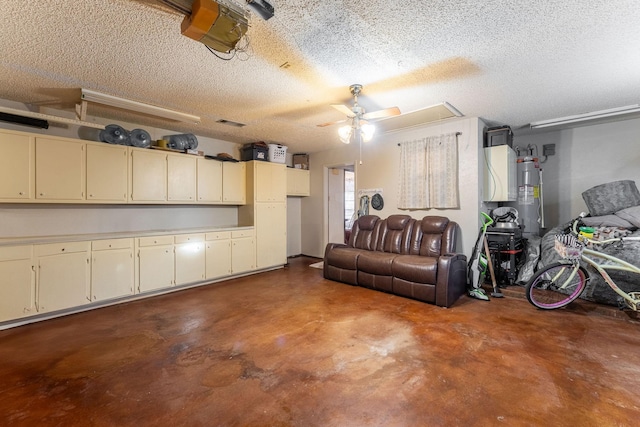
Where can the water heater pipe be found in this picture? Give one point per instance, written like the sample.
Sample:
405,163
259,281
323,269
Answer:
540,190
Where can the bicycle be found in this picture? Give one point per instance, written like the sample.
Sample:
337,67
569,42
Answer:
560,283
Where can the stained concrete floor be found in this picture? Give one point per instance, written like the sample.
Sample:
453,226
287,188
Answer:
288,348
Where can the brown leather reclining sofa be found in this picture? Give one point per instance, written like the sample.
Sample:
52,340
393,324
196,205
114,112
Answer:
401,255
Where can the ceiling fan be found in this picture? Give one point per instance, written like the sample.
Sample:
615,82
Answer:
359,118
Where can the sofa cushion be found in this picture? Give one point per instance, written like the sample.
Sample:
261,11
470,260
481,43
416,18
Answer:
432,228
394,234
419,291
364,233
344,257
415,268
374,262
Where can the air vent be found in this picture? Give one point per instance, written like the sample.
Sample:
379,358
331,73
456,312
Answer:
230,123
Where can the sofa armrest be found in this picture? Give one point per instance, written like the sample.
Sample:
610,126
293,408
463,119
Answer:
329,248
451,279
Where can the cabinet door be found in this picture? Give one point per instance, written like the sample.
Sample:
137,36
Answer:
156,267
234,183
181,178
271,234
190,262
242,255
218,258
209,181
297,182
262,181
112,274
16,166
16,283
148,176
500,177
270,182
60,169
278,182
63,281
107,171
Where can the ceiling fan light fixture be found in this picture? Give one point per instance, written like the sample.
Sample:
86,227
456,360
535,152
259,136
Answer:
345,132
367,130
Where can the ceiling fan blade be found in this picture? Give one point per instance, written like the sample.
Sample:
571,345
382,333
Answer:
387,112
343,109
321,125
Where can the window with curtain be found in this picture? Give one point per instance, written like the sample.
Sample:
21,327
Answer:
429,173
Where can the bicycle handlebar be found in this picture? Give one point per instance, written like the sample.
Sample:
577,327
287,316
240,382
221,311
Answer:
574,230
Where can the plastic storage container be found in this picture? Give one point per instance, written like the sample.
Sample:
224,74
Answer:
255,152
183,141
277,153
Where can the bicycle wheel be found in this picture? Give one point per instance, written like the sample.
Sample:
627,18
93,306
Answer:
556,285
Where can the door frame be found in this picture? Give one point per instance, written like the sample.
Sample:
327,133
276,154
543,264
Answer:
327,200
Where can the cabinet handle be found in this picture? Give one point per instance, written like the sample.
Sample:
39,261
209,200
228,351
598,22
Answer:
21,193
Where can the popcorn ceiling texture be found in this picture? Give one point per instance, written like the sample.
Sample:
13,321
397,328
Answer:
507,61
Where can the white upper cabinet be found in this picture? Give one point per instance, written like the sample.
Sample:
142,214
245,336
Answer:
209,180
148,175
17,172
181,178
60,169
107,173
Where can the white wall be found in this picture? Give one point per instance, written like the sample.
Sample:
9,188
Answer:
379,169
585,156
51,219
294,240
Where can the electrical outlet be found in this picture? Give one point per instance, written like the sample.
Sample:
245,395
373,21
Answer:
549,149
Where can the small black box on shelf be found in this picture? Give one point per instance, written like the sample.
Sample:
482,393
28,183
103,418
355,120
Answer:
499,135
255,152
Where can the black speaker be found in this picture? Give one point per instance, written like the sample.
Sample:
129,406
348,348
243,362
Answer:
499,135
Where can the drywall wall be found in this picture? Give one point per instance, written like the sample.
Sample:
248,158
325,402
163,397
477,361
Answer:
585,156
294,242
376,166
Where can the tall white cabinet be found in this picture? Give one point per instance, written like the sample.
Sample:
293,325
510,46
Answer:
266,209
500,174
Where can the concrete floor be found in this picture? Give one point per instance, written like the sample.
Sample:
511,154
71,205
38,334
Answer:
288,348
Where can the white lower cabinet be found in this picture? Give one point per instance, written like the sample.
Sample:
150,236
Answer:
155,263
63,275
112,269
218,254
44,278
243,250
190,258
271,234
17,282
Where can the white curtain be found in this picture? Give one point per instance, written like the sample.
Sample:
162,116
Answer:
429,173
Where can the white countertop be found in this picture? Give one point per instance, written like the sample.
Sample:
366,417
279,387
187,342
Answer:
34,240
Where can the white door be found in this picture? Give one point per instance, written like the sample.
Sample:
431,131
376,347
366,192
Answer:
336,205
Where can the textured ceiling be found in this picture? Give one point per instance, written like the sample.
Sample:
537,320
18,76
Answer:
508,61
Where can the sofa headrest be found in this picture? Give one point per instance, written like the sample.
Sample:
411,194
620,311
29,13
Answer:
397,222
434,224
368,222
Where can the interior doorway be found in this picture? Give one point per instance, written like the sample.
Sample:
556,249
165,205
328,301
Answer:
341,202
